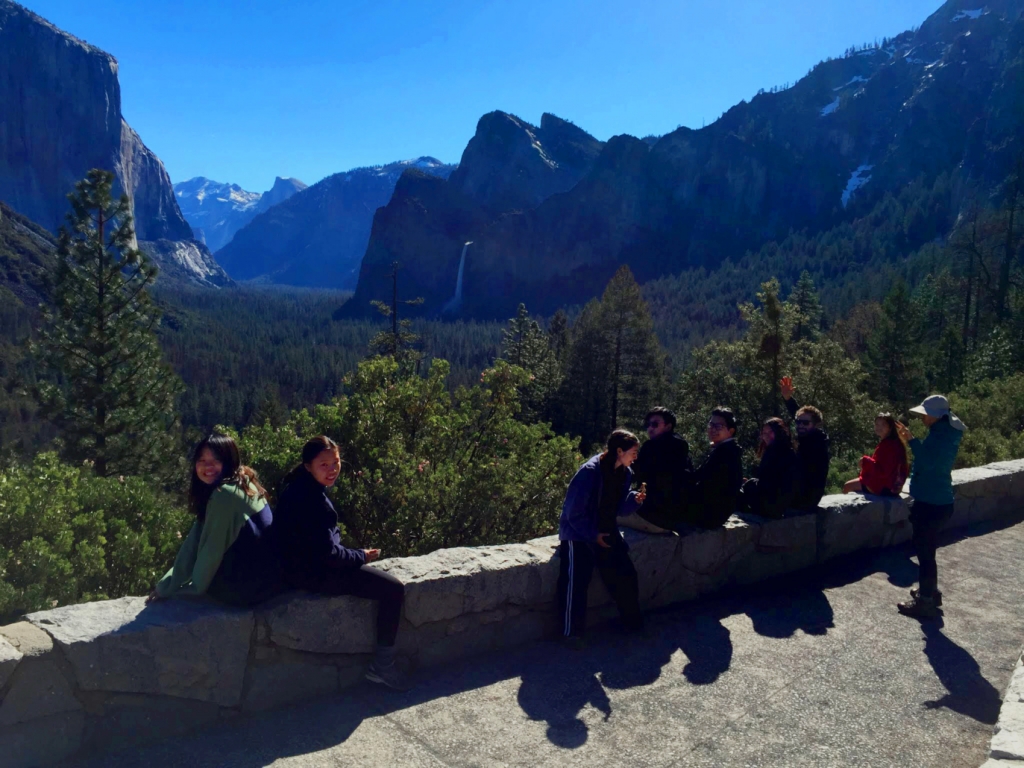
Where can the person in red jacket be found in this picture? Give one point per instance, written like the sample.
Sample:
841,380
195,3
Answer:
884,472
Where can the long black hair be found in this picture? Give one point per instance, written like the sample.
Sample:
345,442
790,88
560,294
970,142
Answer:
226,451
620,438
313,448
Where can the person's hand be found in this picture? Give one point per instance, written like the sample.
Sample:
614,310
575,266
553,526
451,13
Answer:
904,431
371,554
787,388
153,597
601,541
641,495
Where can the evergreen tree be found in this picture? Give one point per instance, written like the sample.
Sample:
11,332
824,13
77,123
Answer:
114,403
637,376
584,397
771,328
524,344
893,356
804,300
558,334
400,341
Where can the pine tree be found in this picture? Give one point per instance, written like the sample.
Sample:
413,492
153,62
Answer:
400,341
771,329
893,356
584,396
524,344
558,334
114,404
804,300
637,376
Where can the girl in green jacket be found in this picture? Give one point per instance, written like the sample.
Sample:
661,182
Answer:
229,553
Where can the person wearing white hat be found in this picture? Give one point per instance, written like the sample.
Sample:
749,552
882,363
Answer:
931,491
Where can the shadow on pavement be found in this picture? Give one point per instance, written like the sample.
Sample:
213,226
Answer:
969,694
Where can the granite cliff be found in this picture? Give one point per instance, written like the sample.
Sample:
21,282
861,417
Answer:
942,99
61,105
318,236
216,211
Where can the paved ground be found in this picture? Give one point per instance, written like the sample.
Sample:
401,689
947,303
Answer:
812,670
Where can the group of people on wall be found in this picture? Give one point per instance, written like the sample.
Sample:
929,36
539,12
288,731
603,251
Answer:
240,552
656,488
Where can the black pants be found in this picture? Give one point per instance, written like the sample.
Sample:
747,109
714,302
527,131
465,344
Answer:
578,559
368,583
928,520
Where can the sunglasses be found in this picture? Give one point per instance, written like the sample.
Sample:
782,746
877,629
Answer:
713,427
805,422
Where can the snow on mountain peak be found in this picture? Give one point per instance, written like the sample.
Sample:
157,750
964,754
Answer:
975,14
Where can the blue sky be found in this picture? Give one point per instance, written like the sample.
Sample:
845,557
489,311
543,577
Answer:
245,91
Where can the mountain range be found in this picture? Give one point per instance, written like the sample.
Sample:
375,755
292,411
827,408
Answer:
60,115
550,213
216,211
317,237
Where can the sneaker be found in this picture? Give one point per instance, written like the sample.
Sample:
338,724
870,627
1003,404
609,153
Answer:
919,608
391,676
938,596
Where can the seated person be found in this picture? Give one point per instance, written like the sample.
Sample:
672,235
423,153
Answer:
229,553
812,450
316,560
884,472
713,488
770,492
660,468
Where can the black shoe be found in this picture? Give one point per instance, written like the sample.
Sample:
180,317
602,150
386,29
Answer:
937,598
574,642
920,608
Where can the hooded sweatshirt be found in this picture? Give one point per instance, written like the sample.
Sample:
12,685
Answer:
581,508
813,458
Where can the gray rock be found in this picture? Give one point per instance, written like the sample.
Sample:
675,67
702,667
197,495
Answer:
322,624
37,689
28,639
63,117
276,685
9,658
178,648
43,741
849,523
1008,741
451,582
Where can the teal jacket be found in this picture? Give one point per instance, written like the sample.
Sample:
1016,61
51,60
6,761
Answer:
931,478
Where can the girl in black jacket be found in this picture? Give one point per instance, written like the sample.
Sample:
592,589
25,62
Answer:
315,559
770,492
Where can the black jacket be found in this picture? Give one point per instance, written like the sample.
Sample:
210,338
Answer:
770,492
813,457
713,488
662,464
307,526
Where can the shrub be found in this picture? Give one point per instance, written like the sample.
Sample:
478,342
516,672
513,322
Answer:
67,536
425,468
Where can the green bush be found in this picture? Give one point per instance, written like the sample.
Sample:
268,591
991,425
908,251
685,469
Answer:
993,411
67,536
425,468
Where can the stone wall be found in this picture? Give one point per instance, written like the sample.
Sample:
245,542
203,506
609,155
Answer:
1007,747
91,677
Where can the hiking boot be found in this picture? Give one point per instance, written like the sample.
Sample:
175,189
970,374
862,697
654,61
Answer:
389,675
919,608
938,596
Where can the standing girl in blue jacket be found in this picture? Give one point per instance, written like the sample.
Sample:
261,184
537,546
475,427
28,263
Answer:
589,537
931,491
314,558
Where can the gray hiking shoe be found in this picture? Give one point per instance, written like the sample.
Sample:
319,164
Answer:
390,675
919,608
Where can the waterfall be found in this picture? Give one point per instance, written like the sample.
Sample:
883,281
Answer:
455,302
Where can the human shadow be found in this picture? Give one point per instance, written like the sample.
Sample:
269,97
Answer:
787,606
969,693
